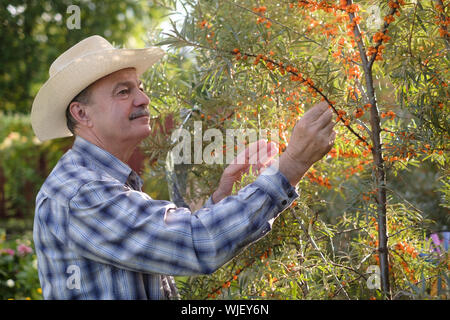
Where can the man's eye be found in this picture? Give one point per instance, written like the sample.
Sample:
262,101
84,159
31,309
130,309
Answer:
122,92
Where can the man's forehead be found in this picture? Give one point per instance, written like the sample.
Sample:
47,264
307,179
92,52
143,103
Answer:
122,75
110,81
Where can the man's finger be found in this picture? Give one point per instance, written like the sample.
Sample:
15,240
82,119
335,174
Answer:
332,138
264,155
329,126
316,111
264,152
263,158
324,119
245,156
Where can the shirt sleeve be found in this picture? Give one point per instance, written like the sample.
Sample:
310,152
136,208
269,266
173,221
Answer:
112,224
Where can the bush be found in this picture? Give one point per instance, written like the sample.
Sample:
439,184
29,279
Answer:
261,65
18,269
25,162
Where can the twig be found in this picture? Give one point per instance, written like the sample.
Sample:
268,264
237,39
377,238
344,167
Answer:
316,247
276,22
384,31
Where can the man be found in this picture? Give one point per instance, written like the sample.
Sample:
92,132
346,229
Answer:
97,236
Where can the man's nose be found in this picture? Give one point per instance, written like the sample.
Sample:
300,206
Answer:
141,99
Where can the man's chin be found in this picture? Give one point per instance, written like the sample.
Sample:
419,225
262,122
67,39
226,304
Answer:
145,132
139,132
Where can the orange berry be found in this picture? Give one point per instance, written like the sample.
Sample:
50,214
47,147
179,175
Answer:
389,19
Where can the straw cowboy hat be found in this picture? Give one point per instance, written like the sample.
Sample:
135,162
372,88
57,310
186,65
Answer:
74,70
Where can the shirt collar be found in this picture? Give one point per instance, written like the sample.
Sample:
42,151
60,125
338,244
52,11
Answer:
105,161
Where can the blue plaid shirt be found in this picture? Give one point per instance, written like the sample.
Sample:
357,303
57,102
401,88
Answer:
97,236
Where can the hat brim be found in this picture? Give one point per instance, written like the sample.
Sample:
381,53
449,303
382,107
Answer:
48,112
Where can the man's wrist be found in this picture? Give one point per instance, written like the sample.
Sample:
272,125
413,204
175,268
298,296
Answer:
293,170
218,195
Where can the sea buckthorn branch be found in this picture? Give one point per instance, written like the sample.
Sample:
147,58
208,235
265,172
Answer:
382,36
292,70
443,22
436,77
260,13
362,124
346,283
296,76
234,276
404,247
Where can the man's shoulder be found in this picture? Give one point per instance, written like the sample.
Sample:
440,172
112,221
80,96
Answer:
70,173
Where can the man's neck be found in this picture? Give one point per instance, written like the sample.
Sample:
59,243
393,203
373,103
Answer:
121,151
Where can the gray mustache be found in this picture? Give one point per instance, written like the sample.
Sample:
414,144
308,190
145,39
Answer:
139,113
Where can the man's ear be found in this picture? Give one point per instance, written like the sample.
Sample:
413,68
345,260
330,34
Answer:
78,111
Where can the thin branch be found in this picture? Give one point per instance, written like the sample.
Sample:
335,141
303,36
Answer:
361,123
443,20
384,31
276,22
412,29
316,247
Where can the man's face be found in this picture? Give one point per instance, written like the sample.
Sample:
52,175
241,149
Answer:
119,108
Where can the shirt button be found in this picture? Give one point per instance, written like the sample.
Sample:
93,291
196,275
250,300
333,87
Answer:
284,202
290,194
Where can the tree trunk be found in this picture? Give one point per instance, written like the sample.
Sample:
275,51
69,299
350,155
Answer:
377,153
380,177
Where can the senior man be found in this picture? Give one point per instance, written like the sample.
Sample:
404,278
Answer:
97,235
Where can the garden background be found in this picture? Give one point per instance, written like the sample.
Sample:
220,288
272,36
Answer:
379,201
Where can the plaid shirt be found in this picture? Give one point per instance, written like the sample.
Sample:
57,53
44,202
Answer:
97,236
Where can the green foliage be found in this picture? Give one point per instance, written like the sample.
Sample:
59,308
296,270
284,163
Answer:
322,247
309,259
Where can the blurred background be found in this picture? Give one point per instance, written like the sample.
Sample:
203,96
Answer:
32,35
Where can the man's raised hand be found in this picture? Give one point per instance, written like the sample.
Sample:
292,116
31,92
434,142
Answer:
259,155
312,138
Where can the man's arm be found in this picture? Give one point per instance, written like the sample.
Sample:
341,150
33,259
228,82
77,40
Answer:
125,228
259,155
128,229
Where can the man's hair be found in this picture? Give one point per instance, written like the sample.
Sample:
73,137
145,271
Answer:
82,97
